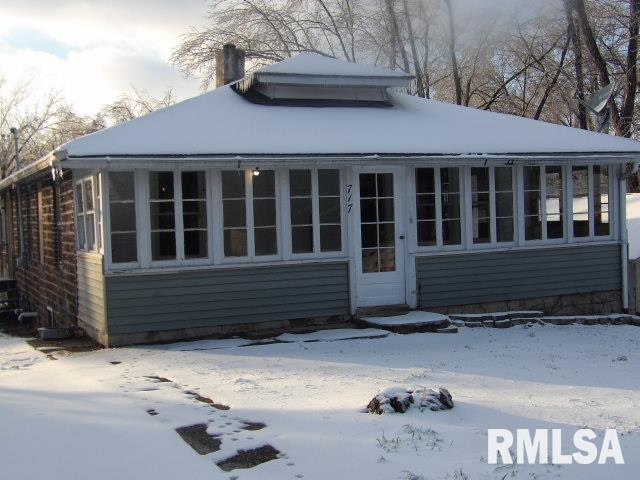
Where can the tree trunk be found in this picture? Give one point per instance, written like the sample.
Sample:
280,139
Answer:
414,51
452,52
574,35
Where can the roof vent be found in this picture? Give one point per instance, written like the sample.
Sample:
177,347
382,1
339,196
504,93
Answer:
315,79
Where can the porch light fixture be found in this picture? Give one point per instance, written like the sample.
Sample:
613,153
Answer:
256,171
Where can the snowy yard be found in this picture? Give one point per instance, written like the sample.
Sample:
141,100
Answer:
87,416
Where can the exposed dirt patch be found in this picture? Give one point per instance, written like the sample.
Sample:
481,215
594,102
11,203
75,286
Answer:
70,345
252,426
196,437
152,412
115,363
249,458
199,398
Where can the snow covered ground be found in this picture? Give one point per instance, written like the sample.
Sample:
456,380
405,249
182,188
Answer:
86,415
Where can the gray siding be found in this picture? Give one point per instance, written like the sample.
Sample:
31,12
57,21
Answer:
205,298
518,274
91,305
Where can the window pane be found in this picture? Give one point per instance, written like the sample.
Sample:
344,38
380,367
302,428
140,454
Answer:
194,214
194,185
91,232
234,213
121,186
330,238
451,232
161,185
532,203
301,211
450,205
580,207
329,182
300,183
503,179
481,230
367,185
123,217
450,180
385,210
504,229
387,259
532,228
195,244
302,239
426,207
385,184
480,179
80,233
368,210
265,241
531,178
123,247
504,204
329,209
426,234
162,216
386,233
264,185
79,201
601,199
554,202
425,180
235,242
88,194
264,213
163,245
369,235
370,261
233,184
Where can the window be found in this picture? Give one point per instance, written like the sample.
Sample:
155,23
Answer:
492,204
194,214
438,206
162,216
85,214
590,201
315,206
122,214
377,222
481,205
252,229
544,220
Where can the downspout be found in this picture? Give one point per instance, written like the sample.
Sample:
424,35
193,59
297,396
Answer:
14,132
624,239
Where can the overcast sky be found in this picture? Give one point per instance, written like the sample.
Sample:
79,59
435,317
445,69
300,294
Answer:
92,51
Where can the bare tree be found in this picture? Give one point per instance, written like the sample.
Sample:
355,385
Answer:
136,104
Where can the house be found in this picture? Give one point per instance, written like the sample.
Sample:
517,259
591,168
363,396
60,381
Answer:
307,191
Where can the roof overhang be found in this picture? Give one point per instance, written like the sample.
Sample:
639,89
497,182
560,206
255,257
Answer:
31,171
121,162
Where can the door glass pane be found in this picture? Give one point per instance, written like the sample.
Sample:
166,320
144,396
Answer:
377,218
601,199
580,207
234,214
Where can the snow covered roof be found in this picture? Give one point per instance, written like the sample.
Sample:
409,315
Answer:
222,122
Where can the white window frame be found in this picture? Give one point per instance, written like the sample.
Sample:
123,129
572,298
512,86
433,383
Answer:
106,223
468,219
96,211
219,225
592,237
315,213
464,209
566,214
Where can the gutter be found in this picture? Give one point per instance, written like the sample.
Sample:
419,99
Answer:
48,161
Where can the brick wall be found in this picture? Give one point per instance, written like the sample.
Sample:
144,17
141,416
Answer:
46,277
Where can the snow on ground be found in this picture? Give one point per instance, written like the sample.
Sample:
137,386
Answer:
83,415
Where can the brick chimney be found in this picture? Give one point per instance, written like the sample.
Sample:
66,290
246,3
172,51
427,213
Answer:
229,64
